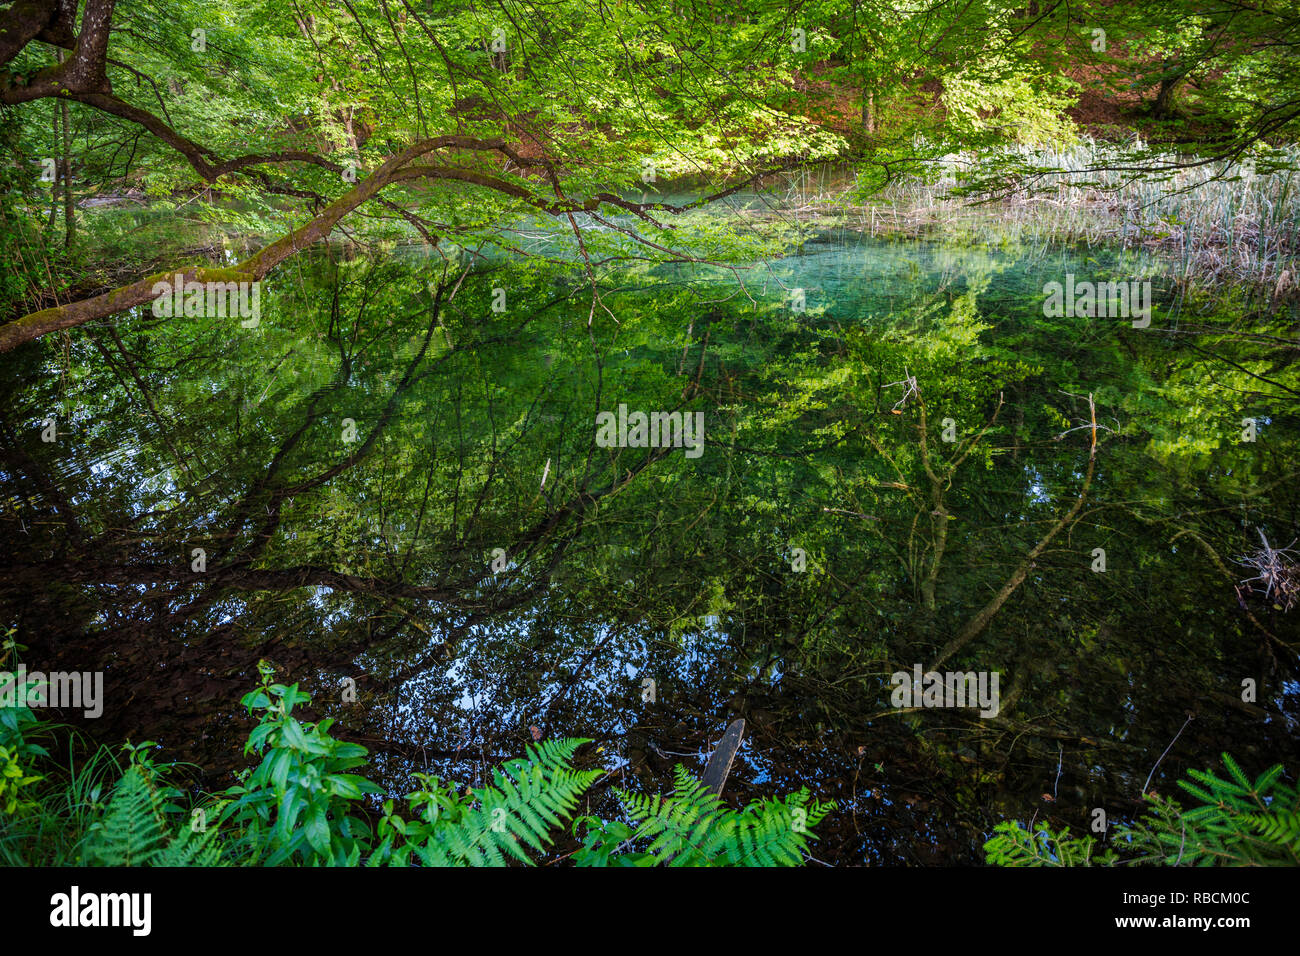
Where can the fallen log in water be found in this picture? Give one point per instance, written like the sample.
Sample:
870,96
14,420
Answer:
719,765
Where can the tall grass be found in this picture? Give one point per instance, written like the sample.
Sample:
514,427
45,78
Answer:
50,832
1212,222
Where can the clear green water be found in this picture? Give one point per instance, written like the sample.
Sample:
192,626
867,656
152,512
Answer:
351,467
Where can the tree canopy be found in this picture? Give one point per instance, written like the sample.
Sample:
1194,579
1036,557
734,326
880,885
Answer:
317,113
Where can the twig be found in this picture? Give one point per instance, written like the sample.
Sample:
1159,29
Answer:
1167,749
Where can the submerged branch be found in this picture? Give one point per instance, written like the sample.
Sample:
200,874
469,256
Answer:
976,625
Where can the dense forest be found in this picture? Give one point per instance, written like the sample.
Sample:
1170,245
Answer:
608,433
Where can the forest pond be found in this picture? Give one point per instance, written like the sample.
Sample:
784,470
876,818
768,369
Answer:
390,487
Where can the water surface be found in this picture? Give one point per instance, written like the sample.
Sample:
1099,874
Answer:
405,490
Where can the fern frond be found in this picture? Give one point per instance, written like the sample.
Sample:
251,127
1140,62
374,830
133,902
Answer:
693,827
131,830
530,798
1238,823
